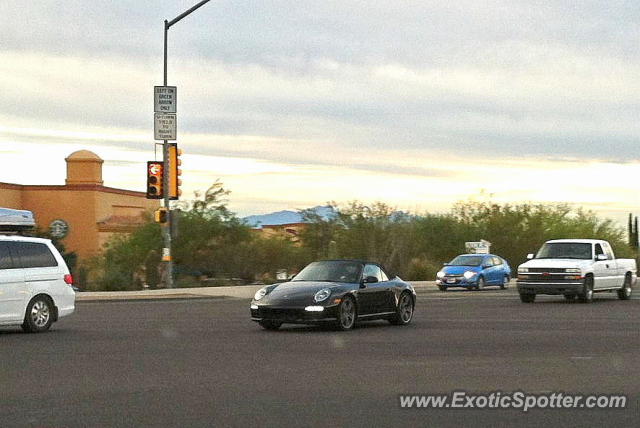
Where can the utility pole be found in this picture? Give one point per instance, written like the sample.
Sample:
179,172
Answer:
167,256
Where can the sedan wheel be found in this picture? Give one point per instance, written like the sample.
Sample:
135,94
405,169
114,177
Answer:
625,292
404,310
347,314
505,282
38,317
481,283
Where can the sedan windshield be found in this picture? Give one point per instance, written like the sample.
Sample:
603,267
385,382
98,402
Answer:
565,250
467,261
330,271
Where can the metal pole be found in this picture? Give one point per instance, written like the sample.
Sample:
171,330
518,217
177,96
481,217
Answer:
166,227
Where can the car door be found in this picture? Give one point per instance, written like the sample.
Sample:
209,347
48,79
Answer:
371,296
12,286
488,270
604,271
617,273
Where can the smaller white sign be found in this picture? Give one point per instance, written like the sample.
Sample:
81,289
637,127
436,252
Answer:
164,99
481,247
164,127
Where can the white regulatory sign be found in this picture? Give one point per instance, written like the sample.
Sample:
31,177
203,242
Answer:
164,99
164,127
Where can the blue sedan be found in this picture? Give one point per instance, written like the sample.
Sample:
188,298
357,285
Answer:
474,271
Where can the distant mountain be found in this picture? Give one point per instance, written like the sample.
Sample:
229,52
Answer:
285,217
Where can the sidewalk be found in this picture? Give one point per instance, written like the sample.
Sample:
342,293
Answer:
239,291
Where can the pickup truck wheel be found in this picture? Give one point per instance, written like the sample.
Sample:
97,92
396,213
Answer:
527,298
625,292
569,297
587,290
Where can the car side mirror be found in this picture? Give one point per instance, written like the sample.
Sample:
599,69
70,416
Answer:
530,256
290,278
486,266
445,264
601,257
370,279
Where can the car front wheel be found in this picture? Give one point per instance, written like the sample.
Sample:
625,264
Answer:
527,298
270,325
505,282
587,290
347,314
39,315
404,310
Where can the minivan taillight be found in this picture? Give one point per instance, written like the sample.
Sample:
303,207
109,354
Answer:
68,279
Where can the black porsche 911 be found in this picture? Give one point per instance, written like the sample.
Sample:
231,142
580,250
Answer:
337,292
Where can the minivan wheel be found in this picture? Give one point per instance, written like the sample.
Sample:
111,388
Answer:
39,315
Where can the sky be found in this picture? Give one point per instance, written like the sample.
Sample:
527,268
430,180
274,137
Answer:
291,104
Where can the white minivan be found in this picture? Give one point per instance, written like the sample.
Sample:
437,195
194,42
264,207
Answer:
35,284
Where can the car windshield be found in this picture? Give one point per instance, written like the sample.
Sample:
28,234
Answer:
564,250
467,261
330,271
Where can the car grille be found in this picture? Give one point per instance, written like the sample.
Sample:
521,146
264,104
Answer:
282,313
547,270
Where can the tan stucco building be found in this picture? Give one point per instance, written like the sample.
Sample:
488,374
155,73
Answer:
90,212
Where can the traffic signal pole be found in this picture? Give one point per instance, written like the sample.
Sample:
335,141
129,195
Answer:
167,255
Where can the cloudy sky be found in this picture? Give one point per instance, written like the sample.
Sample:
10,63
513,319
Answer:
294,103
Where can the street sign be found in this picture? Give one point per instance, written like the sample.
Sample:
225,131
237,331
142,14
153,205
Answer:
164,126
481,247
164,99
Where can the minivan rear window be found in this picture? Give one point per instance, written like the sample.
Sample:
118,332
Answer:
33,254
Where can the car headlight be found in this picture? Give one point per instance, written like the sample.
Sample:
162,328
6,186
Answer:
440,274
523,270
470,274
572,270
260,293
322,295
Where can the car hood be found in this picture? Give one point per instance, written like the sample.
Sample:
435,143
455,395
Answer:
297,292
557,263
459,270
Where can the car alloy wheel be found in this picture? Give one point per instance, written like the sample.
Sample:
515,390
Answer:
347,314
480,285
405,308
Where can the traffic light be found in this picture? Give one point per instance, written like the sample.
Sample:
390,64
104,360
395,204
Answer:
160,215
174,171
154,180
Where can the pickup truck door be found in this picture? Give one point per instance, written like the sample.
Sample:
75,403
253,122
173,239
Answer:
605,272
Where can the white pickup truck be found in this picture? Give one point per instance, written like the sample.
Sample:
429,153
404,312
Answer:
575,268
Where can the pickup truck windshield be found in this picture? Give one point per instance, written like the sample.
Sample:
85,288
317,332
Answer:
565,250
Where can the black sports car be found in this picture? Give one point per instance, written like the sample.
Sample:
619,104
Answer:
338,292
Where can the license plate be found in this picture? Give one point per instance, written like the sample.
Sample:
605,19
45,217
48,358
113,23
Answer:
451,280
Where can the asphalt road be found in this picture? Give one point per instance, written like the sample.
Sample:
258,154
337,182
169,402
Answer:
204,363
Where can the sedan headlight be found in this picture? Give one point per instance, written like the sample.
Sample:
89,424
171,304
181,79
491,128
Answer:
260,293
440,274
470,274
523,270
322,295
